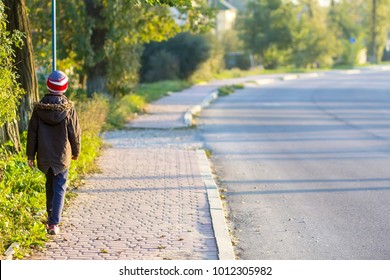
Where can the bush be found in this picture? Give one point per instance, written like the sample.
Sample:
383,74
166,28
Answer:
123,109
92,115
241,61
185,51
214,64
163,66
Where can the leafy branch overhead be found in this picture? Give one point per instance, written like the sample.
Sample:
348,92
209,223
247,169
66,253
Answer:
103,39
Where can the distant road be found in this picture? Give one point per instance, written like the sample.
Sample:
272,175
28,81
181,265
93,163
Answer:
306,166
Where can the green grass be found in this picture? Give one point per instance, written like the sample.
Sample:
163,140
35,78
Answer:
22,203
123,109
227,90
237,73
153,91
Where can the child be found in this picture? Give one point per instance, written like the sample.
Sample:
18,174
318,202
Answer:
54,138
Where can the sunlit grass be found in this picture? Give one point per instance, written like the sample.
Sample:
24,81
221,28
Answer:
124,109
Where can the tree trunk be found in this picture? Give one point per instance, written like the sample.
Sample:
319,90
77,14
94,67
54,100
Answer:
96,80
10,132
374,56
24,59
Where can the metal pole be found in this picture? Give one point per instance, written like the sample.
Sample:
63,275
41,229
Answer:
53,33
374,23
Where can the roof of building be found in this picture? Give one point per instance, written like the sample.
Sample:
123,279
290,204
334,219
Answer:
222,5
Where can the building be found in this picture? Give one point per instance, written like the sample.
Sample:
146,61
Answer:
226,16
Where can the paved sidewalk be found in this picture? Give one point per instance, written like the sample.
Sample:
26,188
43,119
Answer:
168,112
147,204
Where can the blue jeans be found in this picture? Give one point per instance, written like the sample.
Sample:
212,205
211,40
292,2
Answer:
55,195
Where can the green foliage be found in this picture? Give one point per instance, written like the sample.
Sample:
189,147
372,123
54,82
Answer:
92,114
163,65
10,91
122,110
378,28
72,48
227,90
345,20
265,29
305,34
313,45
129,27
198,17
166,2
22,203
153,91
214,64
184,53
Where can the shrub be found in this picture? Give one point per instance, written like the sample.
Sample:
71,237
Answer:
186,50
163,66
92,115
123,109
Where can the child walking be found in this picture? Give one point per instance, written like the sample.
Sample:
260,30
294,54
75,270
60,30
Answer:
54,138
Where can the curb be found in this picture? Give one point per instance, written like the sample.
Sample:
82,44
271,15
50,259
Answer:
213,95
221,233
289,77
11,251
189,115
261,82
351,72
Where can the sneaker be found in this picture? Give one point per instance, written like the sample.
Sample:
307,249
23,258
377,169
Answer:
53,229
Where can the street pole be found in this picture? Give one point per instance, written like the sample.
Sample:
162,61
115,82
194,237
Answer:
374,50
53,33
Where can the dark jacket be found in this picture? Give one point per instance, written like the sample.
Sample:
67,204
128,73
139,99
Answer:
54,133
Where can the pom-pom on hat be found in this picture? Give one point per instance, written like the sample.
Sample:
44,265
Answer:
57,82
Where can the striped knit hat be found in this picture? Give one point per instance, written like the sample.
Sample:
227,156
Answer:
57,82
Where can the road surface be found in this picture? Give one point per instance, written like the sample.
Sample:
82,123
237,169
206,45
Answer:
306,166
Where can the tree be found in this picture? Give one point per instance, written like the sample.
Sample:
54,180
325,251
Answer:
345,20
265,29
24,59
10,90
378,27
314,45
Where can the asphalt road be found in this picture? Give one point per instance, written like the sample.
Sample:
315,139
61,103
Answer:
306,166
